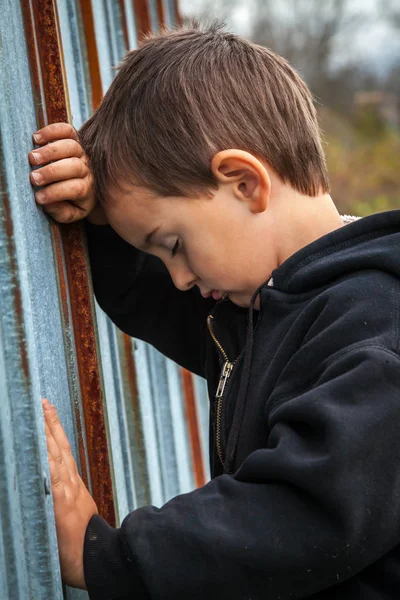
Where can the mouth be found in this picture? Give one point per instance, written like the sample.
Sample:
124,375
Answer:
216,294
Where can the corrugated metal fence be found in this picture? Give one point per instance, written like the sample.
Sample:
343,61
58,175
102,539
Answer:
137,422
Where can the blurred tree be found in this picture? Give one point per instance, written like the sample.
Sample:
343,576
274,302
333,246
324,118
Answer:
307,33
391,11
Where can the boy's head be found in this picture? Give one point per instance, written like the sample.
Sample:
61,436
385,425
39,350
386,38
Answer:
198,118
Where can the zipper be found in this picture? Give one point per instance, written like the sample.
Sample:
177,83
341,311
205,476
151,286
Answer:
226,371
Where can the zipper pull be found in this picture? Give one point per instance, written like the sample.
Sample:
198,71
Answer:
225,374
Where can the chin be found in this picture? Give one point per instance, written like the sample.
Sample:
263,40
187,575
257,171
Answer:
239,300
243,302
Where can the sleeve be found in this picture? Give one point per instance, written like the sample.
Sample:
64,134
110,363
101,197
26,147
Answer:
316,506
137,293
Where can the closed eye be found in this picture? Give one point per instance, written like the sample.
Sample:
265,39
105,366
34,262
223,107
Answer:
175,248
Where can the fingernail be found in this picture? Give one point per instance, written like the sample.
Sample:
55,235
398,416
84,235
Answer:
45,403
36,156
39,197
37,178
37,137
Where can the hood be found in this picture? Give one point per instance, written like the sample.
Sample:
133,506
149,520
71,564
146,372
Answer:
372,242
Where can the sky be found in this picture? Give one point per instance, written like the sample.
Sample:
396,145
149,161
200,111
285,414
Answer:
376,44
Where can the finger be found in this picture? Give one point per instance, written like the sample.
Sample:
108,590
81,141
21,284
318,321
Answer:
64,148
55,131
65,212
57,485
58,433
55,453
70,189
67,168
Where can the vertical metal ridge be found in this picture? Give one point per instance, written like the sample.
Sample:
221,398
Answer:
143,20
178,16
198,465
91,49
132,396
160,12
49,65
124,23
28,567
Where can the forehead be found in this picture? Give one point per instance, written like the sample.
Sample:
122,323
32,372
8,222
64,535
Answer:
142,209
132,211
131,200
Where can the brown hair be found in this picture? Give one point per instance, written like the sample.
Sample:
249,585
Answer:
186,94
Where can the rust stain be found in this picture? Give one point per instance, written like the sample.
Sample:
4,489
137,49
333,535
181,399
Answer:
124,24
91,48
88,368
33,63
142,16
9,230
40,21
63,293
131,379
191,415
47,50
160,12
40,109
178,16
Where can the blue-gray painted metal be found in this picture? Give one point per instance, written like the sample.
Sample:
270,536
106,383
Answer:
203,415
109,37
29,564
148,435
155,25
77,75
169,13
131,24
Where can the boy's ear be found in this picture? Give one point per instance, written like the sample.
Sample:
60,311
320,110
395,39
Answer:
248,176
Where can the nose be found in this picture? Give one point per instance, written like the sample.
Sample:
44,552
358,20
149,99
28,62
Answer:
184,279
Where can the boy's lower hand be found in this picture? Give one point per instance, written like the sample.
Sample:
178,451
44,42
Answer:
73,505
68,193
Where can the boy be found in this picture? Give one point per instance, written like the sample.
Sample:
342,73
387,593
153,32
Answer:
205,153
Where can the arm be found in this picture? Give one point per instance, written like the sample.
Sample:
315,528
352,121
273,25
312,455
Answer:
315,507
137,293
133,288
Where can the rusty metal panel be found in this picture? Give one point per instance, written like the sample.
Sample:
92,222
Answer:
33,360
136,421
118,433
45,56
159,439
143,17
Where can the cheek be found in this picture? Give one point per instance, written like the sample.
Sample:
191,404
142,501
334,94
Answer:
214,270
215,260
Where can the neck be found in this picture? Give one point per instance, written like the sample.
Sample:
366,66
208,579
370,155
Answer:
302,220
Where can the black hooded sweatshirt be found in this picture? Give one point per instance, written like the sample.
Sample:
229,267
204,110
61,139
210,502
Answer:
304,500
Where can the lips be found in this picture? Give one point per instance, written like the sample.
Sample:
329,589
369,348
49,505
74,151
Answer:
216,295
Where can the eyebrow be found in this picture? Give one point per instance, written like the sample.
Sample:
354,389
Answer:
149,237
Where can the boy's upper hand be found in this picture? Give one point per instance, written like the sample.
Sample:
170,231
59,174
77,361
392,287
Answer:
68,192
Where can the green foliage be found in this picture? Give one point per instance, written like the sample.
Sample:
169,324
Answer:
363,162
